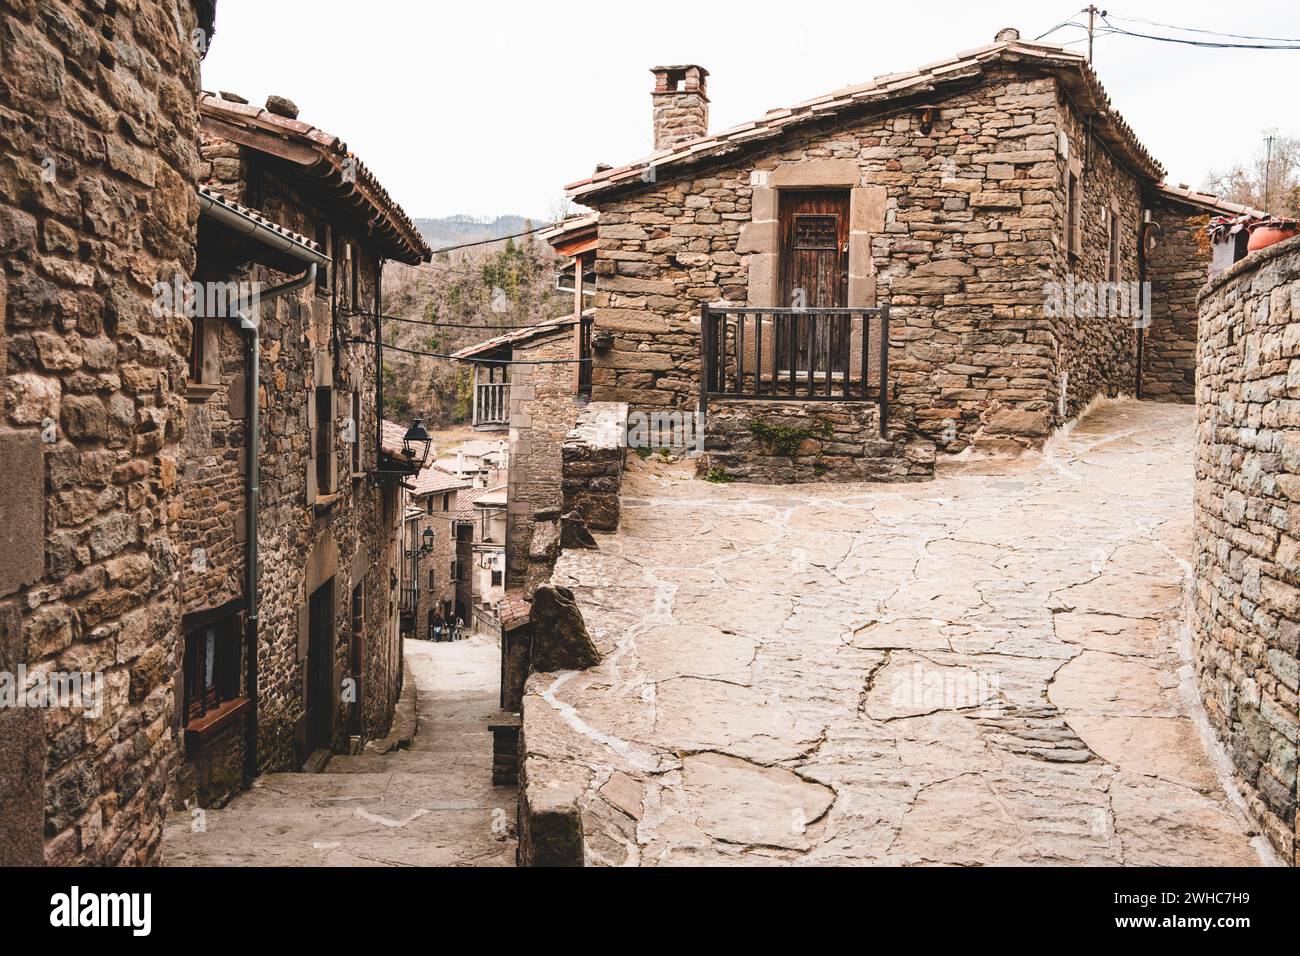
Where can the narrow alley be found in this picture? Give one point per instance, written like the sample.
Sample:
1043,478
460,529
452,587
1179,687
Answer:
431,805
984,669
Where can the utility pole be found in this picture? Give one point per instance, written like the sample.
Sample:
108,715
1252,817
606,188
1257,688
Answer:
1093,13
1269,135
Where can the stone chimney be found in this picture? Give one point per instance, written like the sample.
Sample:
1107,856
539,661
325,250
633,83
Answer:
681,104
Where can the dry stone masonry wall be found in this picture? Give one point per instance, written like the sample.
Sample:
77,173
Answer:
1247,562
786,442
1178,268
97,203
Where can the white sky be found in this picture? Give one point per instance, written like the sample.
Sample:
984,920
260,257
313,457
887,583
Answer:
491,107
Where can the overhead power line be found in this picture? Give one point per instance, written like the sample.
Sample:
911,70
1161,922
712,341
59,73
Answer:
452,325
1206,44
1235,36
485,242
358,340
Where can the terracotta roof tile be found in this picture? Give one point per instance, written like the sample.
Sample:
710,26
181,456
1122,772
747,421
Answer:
1072,67
261,219
350,178
1208,202
517,336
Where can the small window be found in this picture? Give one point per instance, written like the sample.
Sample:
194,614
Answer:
354,265
196,351
1112,256
455,572
324,439
446,501
356,433
211,668
1072,215
323,273
358,627
496,578
431,584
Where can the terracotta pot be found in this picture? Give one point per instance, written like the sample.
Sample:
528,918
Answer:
1264,234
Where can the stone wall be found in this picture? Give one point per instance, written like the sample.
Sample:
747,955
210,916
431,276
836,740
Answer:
1094,354
1176,269
1247,559
959,230
347,534
543,407
594,453
97,203
786,442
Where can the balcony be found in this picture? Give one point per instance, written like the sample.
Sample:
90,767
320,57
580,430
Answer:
492,406
814,354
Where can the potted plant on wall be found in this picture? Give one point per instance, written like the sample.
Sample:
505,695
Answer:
1266,232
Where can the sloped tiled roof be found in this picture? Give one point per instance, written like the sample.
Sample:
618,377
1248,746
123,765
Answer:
262,219
1071,67
490,497
1210,203
517,336
325,156
433,480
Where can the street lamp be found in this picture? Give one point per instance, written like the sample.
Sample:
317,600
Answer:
417,435
426,541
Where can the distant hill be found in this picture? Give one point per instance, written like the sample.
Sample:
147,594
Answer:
453,230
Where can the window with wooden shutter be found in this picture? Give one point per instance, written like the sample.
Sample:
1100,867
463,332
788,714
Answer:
211,667
324,440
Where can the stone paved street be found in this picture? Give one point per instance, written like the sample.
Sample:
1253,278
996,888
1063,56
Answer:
985,669
432,805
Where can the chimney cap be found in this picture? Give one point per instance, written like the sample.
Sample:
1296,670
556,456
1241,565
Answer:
679,68
1007,35
681,78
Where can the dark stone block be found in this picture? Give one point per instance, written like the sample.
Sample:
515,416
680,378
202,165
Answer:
560,641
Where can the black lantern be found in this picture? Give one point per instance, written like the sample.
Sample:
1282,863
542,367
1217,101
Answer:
416,435
426,540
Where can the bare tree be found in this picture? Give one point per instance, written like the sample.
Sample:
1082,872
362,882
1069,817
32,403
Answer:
1270,178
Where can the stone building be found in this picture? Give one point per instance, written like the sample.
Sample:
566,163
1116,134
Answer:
433,527
1246,599
541,375
97,204
1180,264
311,663
980,198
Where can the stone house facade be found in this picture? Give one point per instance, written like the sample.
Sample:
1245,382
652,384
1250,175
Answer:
97,203
1246,586
544,375
319,669
963,194
434,506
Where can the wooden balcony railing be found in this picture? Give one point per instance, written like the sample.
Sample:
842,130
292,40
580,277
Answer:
795,354
492,404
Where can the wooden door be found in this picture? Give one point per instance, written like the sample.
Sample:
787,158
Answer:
320,669
814,264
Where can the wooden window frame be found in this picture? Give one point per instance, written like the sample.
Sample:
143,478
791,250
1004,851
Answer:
323,273
354,267
357,472
323,396
211,693
1112,245
198,350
